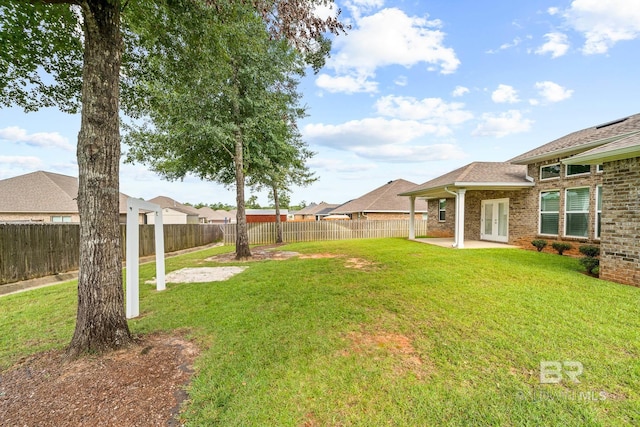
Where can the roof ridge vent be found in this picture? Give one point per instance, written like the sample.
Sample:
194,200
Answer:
614,122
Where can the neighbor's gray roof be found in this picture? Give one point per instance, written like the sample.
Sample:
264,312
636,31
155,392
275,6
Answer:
167,202
582,140
321,208
624,148
477,175
383,199
214,215
43,192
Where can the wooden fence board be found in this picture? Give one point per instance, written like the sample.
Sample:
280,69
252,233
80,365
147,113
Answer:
308,231
36,250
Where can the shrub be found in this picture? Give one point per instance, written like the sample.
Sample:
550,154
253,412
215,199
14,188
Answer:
591,264
539,244
589,250
561,247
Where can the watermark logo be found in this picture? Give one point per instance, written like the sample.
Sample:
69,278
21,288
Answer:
554,372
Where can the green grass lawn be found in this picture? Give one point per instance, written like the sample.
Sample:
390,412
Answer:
421,336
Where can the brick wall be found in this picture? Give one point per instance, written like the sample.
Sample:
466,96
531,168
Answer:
620,248
437,228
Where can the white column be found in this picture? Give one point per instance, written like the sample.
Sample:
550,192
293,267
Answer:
460,218
159,235
133,250
412,217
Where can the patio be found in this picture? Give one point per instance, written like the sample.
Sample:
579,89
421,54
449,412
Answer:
447,242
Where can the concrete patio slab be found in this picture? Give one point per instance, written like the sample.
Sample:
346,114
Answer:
447,242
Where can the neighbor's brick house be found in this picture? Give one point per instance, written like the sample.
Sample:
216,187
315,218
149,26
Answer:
581,188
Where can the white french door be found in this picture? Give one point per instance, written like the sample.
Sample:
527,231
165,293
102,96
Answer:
495,220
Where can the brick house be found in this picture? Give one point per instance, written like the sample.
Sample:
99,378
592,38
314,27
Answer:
383,203
581,188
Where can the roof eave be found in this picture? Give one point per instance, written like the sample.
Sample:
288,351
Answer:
469,185
607,156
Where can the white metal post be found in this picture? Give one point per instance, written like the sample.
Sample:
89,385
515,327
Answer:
412,217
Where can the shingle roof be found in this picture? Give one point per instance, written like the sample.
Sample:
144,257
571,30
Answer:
43,192
477,174
317,209
167,202
383,199
582,140
621,149
211,215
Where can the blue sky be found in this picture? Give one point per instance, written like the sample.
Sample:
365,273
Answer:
416,89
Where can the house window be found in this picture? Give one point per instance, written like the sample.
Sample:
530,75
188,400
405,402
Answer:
61,218
598,210
550,171
576,212
549,212
573,170
442,204
599,168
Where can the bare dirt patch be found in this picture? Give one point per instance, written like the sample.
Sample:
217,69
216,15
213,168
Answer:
258,254
201,275
397,346
142,385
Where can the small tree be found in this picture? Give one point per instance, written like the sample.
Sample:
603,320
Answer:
540,244
590,261
561,247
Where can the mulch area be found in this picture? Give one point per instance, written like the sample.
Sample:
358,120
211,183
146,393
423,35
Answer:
142,385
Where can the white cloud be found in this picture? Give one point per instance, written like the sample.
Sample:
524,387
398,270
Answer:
432,110
553,92
338,165
505,94
388,37
23,162
553,11
515,42
39,139
459,91
502,124
410,153
401,81
367,132
346,84
557,45
603,23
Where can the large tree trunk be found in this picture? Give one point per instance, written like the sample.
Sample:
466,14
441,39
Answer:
101,323
276,200
242,235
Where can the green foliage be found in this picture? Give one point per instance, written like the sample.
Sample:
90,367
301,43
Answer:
316,341
560,247
41,55
589,250
590,264
540,244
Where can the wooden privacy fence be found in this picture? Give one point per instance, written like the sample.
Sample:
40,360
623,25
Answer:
308,231
36,250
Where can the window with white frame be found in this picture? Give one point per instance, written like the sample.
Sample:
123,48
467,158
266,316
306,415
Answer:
442,204
598,210
550,171
549,212
600,168
576,223
573,170
61,218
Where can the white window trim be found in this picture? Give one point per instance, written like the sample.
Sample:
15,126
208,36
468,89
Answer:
540,212
553,177
566,172
442,210
566,212
600,168
595,225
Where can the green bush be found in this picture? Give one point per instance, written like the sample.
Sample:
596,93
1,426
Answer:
589,250
539,244
590,264
561,247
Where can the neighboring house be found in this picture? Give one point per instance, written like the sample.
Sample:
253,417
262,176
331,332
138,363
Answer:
581,188
265,215
174,212
210,216
383,203
315,212
45,197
